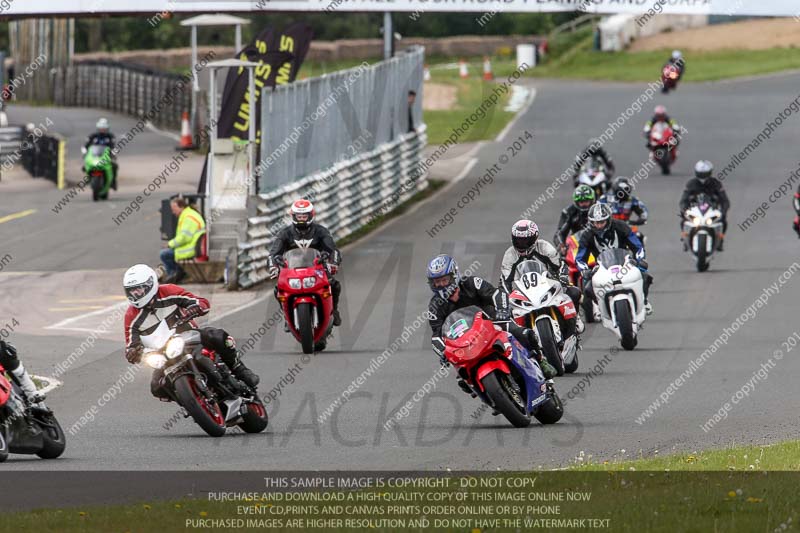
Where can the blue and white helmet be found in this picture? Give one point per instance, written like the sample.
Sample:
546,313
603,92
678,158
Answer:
443,266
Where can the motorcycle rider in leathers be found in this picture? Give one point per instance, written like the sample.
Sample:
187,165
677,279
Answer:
603,233
623,203
305,233
9,360
574,217
526,245
594,150
705,183
452,292
150,303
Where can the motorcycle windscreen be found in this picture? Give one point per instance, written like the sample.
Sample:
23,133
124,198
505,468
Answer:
301,257
158,339
613,257
526,267
97,150
465,335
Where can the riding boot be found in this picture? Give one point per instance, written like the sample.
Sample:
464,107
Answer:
27,385
336,290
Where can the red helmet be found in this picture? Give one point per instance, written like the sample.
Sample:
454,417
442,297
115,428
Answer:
302,212
660,112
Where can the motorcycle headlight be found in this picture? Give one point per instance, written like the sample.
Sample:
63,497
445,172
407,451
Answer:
154,360
309,282
175,347
709,221
294,283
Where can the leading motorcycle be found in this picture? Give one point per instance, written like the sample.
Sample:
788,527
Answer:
18,417
619,291
305,296
498,369
539,302
702,230
669,78
199,381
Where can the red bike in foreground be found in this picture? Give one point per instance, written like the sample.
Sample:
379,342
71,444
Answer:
305,296
498,369
663,146
17,416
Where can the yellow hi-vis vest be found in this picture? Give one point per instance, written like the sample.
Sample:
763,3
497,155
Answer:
191,227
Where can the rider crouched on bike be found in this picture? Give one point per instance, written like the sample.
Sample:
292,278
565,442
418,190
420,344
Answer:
9,360
660,115
526,245
623,203
151,303
594,150
604,233
304,232
704,183
452,292
104,137
574,217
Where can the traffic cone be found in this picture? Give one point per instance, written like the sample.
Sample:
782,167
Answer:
463,71
426,73
186,142
487,69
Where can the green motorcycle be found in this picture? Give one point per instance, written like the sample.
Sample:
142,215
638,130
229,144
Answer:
99,168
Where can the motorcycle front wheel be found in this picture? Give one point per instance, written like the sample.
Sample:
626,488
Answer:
506,397
3,443
305,327
96,186
206,414
549,345
622,312
702,260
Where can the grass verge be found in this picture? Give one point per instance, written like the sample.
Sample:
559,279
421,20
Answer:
710,498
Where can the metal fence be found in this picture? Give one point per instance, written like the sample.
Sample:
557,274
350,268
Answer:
43,157
351,194
124,88
314,124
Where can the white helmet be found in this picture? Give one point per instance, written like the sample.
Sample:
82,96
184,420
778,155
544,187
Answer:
141,285
676,54
102,124
703,170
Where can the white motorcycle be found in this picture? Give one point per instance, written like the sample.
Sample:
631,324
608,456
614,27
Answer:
594,174
539,302
702,231
619,292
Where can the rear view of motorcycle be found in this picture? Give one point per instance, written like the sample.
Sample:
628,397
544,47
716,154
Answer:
200,382
25,428
702,231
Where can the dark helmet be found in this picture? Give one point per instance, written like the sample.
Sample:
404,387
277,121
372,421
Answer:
583,197
599,218
703,170
443,275
622,189
524,234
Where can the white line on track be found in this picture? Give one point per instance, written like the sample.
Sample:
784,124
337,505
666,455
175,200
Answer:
64,323
52,383
528,104
240,308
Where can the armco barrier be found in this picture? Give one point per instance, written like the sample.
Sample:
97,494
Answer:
44,157
350,194
10,139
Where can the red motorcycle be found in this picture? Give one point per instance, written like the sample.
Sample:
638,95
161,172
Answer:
305,296
669,78
663,145
17,418
498,369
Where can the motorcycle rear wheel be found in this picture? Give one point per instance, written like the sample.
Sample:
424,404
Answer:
54,439
622,311
207,416
305,328
551,410
497,384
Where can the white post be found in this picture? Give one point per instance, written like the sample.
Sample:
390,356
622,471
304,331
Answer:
195,82
251,145
212,107
238,38
388,35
